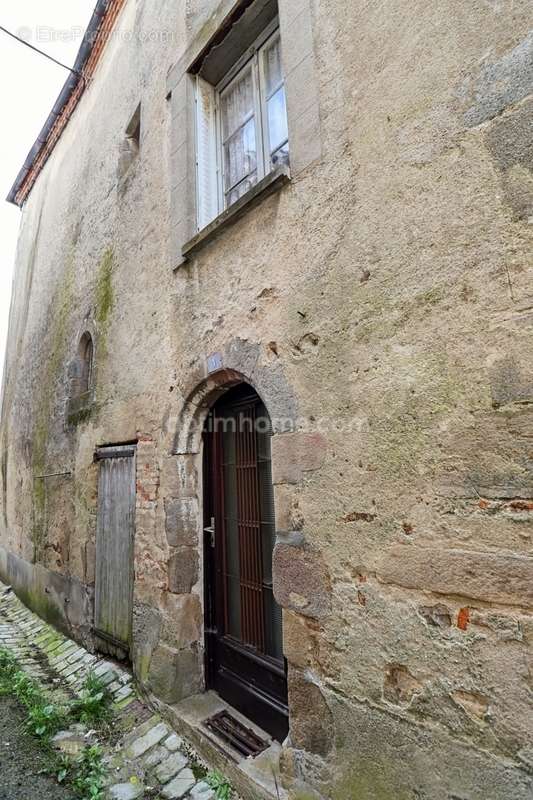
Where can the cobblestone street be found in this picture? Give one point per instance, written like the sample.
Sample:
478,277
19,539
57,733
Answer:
144,759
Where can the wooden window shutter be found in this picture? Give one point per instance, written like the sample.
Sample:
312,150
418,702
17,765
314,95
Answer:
206,154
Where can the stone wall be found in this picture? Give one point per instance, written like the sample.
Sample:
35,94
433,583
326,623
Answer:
381,303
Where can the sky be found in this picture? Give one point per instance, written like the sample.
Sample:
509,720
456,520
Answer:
29,86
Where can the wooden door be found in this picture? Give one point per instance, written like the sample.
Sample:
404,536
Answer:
114,549
245,663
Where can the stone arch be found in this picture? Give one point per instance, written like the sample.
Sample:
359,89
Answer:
295,455
183,502
301,579
269,384
196,408
80,385
81,369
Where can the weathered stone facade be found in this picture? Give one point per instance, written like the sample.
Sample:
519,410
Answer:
381,304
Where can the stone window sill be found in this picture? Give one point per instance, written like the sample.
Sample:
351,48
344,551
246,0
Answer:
79,409
270,184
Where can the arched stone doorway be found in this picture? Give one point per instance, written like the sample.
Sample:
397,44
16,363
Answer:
243,621
300,578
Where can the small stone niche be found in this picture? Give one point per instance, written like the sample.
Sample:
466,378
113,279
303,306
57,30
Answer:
131,145
80,402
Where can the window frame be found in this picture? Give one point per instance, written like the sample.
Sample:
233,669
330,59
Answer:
86,365
220,143
253,57
89,362
265,99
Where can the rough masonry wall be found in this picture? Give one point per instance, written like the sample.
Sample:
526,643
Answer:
417,294
389,288
92,256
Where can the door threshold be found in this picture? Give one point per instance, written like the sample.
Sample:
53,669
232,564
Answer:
252,777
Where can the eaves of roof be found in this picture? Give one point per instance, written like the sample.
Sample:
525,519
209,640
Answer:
92,46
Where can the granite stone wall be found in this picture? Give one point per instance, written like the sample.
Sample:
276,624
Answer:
381,305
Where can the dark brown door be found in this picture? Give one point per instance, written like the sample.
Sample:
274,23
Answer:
245,663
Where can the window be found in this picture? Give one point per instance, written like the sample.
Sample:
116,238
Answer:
86,359
80,401
242,130
133,131
130,146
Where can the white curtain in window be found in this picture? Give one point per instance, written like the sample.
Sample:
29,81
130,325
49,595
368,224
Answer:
242,131
239,137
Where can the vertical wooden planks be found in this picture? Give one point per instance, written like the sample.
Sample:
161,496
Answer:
114,544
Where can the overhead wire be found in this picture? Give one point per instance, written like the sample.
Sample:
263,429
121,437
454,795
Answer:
41,52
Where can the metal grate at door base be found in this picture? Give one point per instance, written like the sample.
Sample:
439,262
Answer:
241,738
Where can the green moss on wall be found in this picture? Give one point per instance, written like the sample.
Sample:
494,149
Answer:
81,415
105,298
104,304
42,606
52,365
54,358
3,472
368,781
142,665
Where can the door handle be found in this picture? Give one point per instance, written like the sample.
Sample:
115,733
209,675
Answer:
211,532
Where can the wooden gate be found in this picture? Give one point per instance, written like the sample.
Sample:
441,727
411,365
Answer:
114,549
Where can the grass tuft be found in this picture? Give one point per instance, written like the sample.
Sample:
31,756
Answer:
86,773
89,774
218,782
44,718
93,706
